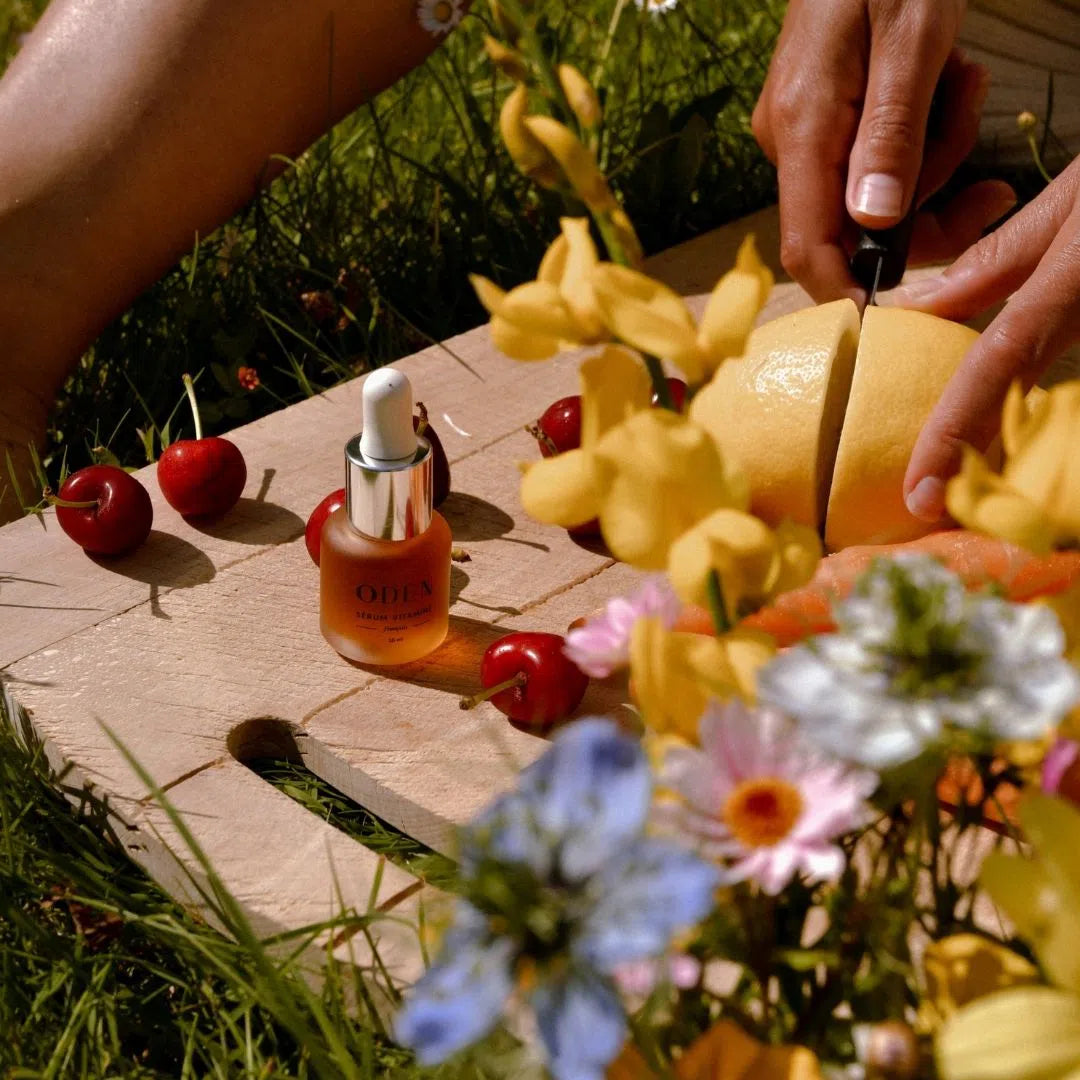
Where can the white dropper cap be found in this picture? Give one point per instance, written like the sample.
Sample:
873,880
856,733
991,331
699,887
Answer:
388,433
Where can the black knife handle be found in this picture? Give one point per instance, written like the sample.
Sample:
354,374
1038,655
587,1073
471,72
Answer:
889,247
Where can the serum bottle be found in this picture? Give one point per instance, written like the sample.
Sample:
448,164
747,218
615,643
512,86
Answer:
385,561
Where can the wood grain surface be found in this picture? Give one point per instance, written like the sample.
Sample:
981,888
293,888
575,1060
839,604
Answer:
202,650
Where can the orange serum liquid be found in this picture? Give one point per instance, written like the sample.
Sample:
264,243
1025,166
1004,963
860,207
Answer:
385,555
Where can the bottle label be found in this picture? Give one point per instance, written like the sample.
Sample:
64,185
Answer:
394,610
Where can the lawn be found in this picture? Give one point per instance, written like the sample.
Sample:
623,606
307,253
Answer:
358,254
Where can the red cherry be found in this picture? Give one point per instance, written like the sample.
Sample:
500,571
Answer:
440,465
118,518
677,389
201,478
559,429
527,677
313,532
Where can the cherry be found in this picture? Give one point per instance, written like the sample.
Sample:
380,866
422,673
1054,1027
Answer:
313,532
201,478
559,429
440,465
105,510
677,388
527,677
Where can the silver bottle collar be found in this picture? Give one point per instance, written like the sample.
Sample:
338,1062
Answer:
389,500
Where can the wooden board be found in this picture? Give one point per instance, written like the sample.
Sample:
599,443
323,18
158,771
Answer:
202,650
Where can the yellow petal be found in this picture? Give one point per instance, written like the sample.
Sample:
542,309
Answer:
963,967
1046,468
646,314
614,386
576,159
581,96
562,490
488,293
734,305
537,308
800,553
527,152
509,338
1014,417
984,501
576,279
623,229
665,475
674,675
553,264
1030,1033
738,546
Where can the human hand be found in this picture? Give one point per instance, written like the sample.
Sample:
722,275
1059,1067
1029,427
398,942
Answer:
1035,257
843,115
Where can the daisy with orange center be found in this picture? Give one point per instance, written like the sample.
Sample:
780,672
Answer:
761,801
439,16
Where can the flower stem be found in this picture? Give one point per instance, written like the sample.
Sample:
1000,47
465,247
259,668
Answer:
189,386
716,603
519,680
660,383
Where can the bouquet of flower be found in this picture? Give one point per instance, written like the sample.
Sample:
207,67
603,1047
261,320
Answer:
759,879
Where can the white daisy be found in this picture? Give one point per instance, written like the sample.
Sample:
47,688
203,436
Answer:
760,800
439,16
656,7
916,655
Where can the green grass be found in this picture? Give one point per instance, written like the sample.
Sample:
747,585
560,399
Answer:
359,253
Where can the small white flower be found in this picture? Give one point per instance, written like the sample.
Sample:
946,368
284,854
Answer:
602,645
439,16
656,7
914,655
761,800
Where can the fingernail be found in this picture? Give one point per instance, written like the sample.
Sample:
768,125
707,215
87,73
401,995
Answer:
914,292
926,500
879,195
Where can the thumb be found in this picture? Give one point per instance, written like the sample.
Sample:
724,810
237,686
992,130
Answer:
883,170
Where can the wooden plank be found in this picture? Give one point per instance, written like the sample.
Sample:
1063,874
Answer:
190,648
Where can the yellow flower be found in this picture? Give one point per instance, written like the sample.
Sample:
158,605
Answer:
1035,501
675,675
725,1052
580,95
963,967
577,161
753,562
558,310
651,317
647,474
1029,1032
526,151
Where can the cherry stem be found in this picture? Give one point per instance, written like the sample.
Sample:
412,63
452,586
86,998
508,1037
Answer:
70,504
189,386
421,408
541,436
519,680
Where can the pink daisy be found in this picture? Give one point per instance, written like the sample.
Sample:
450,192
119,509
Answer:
602,645
762,801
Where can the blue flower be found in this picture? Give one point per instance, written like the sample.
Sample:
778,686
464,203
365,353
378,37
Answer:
561,887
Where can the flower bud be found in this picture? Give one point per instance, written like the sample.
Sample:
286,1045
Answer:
509,61
527,152
1027,122
580,95
577,161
